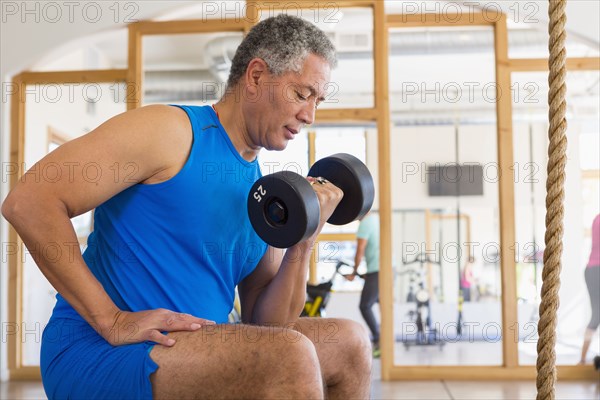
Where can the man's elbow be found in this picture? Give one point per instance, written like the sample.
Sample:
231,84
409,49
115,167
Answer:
10,207
18,206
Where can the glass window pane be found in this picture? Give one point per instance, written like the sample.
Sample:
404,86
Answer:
351,32
582,204
358,140
345,299
445,221
55,114
329,254
351,140
188,68
528,40
294,158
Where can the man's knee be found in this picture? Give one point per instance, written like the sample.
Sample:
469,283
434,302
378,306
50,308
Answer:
351,329
298,349
354,337
298,363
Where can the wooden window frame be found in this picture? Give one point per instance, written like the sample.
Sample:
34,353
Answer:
16,368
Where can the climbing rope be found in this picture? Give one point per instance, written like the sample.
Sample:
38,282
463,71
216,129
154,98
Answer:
546,361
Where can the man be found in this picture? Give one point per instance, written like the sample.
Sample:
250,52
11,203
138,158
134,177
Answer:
135,315
367,246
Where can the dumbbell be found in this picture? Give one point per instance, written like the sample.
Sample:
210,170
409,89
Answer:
284,209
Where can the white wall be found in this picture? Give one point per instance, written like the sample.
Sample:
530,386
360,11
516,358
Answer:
413,149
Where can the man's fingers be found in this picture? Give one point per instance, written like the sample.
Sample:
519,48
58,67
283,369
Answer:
151,324
176,324
190,318
159,338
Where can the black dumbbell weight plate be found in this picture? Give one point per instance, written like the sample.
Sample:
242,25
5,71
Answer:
353,177
283,209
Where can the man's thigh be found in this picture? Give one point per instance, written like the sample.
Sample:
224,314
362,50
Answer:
237,361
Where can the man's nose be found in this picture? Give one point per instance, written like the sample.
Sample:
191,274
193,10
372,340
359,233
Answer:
307,113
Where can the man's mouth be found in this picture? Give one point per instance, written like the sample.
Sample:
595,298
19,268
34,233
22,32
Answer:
292,132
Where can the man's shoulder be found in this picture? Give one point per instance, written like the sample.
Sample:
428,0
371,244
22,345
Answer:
194,112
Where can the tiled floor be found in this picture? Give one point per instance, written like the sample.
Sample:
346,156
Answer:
461,390
448,390
436,390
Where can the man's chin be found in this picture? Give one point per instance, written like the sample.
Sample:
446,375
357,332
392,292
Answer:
278,146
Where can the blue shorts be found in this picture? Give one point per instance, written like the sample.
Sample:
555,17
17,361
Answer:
77,363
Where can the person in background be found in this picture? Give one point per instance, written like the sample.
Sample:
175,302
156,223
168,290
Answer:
467,279
367,246
592,280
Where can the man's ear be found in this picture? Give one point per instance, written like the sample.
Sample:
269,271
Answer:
257,69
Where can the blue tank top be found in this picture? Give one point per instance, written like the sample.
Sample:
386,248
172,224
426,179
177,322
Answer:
183,244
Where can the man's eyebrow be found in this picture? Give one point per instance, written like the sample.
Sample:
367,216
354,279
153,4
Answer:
313,92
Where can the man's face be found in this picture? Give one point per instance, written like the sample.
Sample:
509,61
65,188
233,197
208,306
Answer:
286,103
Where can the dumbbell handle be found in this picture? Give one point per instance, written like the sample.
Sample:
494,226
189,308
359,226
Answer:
354,179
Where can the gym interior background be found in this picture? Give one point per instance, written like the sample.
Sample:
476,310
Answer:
420,88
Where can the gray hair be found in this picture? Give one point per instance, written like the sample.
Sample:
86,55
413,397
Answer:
283,42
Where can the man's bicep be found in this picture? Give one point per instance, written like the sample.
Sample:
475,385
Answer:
253,285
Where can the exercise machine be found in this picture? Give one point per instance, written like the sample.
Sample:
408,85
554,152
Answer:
426,334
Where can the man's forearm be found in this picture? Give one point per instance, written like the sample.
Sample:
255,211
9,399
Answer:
51,240
282,300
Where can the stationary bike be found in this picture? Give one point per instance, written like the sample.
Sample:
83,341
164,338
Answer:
317,296
421,316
